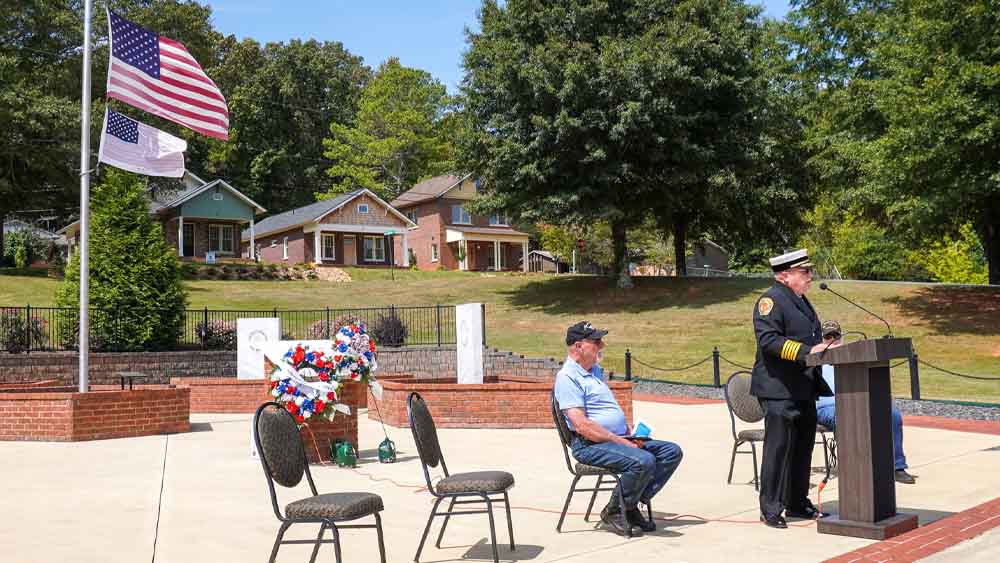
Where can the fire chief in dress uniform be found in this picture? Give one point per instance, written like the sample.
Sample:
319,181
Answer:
787,330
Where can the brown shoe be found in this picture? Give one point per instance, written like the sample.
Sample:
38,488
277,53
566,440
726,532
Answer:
903,477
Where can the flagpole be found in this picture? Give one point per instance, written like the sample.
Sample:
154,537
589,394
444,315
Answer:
85,206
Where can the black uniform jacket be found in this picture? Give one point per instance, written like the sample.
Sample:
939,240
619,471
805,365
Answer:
787,327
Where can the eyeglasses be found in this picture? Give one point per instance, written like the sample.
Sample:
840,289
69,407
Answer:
810,270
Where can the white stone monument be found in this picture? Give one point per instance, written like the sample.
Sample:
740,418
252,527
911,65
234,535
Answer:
252,337
469,334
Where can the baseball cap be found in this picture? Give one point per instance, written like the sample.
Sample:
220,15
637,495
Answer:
583,330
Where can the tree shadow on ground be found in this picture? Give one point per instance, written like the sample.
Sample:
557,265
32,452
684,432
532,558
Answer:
951,310
589,294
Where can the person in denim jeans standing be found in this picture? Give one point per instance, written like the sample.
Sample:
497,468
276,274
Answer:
599,427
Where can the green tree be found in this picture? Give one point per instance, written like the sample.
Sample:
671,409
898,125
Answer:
400,135
135,276
955,260
282,98
905,111
584,111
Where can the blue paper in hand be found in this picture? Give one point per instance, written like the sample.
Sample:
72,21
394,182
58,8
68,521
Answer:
642,430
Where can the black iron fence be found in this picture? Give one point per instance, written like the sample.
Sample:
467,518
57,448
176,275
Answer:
31,329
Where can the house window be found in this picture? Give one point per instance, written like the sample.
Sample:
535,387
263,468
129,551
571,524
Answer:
479,184
500,218
459,216
284,249
434,252
329,247
363,208
274,242
220,238
216,196
374,249
412,215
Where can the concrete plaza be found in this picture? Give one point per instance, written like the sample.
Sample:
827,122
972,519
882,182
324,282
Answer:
201,497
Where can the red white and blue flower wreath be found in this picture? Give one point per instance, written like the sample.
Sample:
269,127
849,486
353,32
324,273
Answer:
307,379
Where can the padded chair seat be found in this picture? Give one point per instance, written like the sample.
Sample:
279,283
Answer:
821,428
584,469
752,435
336,506
475,482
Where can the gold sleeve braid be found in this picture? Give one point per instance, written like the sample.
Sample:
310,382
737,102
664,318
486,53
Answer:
790,350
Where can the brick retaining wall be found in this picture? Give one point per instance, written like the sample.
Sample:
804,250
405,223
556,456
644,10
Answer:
504,402
64,416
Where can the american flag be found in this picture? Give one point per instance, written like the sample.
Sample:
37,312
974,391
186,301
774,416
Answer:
139,148
158,75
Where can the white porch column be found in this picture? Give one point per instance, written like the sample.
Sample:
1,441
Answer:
406,251
180,235
524,256
317,248
253,245
496,256
463,264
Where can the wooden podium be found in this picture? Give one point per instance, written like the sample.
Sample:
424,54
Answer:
866,469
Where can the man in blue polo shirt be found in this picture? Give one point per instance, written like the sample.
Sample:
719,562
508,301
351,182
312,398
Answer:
599,427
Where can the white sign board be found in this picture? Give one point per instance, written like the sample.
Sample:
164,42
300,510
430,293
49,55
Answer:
210,257
252,337
469,333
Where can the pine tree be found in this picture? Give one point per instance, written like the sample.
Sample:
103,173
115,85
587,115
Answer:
136,293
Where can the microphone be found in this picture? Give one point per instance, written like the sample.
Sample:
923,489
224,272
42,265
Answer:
826,287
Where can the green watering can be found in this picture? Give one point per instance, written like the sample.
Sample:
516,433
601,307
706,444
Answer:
344,454
387,451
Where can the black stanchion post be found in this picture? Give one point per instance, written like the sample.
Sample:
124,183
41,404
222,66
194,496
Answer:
628,365
482,307
716,376
28,326
914,377
437,322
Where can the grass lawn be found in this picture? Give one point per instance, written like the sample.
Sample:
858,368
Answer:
666,322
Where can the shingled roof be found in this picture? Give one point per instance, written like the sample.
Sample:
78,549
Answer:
300,215
427,190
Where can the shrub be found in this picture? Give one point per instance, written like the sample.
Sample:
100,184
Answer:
135,276
217,334
18,332
389,330
21,248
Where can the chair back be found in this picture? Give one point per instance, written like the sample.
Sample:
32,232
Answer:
565,434
741,403
424,432
279,444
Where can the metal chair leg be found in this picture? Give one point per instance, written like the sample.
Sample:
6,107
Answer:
756,479
427,528
493,529
732,462
336,543
510,522
593,497
444,525
826,453
621,501
277,540
569,495
319,538
381,543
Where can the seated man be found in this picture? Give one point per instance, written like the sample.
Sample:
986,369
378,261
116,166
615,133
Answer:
599,427
826,415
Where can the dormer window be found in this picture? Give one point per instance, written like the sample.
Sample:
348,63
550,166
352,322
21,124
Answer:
363,209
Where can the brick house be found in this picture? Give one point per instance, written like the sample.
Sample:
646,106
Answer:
448,236
197,217
348,230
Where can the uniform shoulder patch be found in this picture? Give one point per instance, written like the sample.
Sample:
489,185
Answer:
764,306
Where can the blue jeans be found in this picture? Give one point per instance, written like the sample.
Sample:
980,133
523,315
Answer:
643,471
827,416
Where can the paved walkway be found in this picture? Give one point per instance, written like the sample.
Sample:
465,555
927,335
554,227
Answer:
201,497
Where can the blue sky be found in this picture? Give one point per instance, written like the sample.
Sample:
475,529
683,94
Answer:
425,34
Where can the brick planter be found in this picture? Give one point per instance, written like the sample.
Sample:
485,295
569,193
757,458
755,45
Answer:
224,394
500,402
60,414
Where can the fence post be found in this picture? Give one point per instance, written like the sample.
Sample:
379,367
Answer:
628,365
437,322
914,377
204,326
28,325
716,376
482,307
328,323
